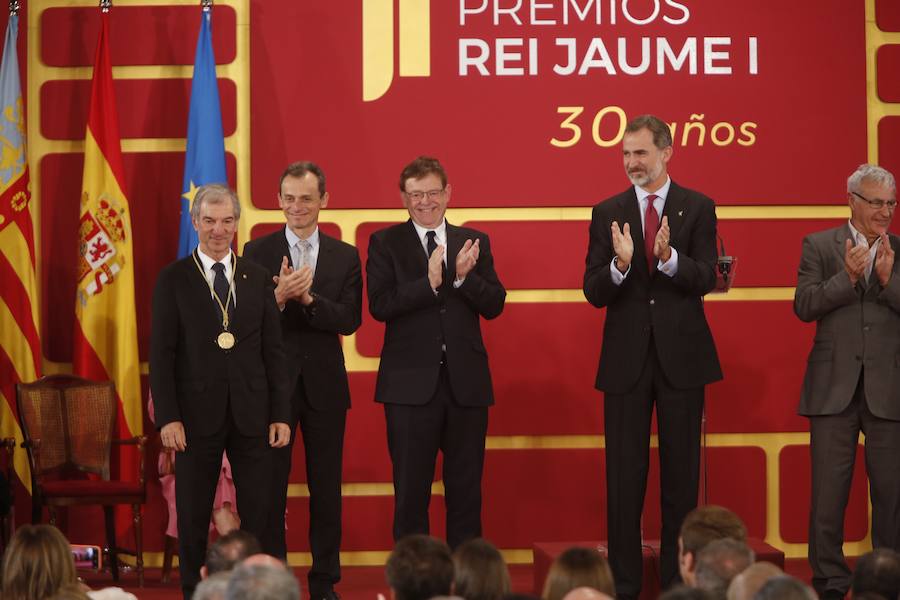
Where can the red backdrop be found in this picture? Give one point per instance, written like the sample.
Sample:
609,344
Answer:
780,90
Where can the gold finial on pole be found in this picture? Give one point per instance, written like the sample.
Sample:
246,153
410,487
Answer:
207,5
13,7
105,5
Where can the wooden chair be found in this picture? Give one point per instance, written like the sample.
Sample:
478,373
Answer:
68,424
8,516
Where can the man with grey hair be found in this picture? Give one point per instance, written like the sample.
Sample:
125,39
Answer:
213,587
217,376
846,285
746,583
718,563
651,259
785,588
262,582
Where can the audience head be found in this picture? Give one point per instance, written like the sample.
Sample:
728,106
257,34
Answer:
262,582
745,585
878,572
700,527
586,593
685,592
420,567
229,550
785,588
70,591
37,563
718,563
480,572
266,560
578,567
213,587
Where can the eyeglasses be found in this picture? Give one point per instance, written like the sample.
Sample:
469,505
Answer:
877,204
432,195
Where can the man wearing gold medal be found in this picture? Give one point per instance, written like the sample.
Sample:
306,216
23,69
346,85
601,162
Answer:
319,292
218,378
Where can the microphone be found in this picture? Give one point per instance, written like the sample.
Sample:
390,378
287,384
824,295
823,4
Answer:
726,267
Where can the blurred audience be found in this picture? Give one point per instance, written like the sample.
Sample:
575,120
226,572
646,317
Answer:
701,526
578,567
212,587
586,593
480,573
37,564
262,582
685,592
785,588
718,563
228,550
877,572
420,567
745,585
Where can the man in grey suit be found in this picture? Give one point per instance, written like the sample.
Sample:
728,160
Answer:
846,284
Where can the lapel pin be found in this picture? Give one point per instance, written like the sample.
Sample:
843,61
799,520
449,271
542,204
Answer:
244,276
680,212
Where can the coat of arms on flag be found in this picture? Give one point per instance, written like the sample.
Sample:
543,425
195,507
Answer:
99,233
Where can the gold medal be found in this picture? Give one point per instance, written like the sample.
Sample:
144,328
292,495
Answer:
225,340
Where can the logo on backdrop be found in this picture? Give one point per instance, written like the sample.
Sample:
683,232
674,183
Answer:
513,47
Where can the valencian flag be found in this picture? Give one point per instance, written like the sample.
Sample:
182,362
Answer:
105,326
20,346
205,157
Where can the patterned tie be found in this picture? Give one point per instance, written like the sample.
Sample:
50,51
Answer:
651,226
220,286
304,248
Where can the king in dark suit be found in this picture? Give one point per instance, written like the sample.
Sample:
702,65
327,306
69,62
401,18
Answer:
217,376
651,259
319,292
848,284
431,283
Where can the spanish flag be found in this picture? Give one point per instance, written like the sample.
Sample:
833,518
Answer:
20,345
105,326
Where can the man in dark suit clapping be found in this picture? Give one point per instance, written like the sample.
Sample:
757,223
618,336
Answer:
217,376
431,282
651,259
319,293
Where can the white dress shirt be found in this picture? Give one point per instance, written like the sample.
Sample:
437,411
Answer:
312,255
207,263
670,267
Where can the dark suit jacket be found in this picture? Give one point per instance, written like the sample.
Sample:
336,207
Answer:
855,327
193,380
311,334
420,322
669,308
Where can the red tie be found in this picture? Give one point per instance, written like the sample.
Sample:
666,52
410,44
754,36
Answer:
651,225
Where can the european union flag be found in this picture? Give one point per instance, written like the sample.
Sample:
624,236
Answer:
205,159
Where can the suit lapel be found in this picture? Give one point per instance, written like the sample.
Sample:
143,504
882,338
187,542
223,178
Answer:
676,209
455,241
631,212
243,297
200,289
323,260
412,247
282,249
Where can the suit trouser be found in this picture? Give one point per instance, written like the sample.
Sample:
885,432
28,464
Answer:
833,443
197,474
628,417
415,434
323,444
